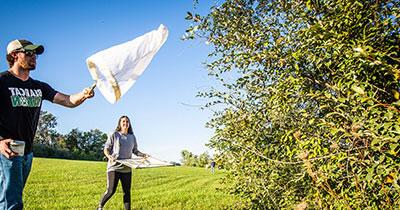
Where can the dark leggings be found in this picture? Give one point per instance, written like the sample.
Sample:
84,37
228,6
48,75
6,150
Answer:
112,183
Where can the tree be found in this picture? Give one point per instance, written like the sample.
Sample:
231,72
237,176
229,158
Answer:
188,158
76,144
204,159
93,140
309,106
73,138
46,133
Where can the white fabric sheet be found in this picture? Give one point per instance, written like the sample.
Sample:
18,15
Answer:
116,69
140,162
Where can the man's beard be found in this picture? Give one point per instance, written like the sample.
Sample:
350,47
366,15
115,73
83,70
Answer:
28,66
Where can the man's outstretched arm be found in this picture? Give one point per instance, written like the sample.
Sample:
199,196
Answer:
75,99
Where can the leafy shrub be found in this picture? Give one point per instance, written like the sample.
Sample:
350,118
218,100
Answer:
308,101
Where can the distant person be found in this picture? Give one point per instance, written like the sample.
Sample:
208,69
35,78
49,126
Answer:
120,145
212,166
20,102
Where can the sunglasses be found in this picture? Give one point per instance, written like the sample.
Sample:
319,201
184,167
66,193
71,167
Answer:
28,52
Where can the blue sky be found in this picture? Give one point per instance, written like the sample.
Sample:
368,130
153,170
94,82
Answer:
162,104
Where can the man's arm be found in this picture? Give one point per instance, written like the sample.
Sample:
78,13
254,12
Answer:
73,100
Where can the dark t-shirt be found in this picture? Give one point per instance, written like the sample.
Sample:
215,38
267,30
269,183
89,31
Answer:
20,103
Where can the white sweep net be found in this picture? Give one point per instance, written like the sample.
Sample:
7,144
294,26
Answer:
141,162
116,69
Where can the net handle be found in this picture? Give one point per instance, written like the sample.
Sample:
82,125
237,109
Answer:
92,87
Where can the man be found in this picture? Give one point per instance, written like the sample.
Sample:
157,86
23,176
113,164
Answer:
212,166
20,103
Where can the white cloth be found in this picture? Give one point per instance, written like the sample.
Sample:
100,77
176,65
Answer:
116,69
141,162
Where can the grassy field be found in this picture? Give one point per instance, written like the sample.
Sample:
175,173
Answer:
70,184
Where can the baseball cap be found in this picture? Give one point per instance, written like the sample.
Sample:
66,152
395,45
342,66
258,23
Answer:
20,44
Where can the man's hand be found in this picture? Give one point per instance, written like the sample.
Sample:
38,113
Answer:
5,148
88,92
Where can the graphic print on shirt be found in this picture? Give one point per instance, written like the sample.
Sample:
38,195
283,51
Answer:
25,97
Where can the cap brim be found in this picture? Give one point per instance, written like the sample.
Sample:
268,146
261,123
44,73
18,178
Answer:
39,49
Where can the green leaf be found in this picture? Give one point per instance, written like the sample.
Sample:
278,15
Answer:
358,90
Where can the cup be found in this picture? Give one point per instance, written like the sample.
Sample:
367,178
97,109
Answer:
18,147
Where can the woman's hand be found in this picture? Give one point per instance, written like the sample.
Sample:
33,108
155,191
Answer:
111,158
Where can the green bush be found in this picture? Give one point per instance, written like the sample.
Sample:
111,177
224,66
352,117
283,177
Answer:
308,101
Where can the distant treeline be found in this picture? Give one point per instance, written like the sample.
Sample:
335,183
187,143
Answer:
83,145
190,159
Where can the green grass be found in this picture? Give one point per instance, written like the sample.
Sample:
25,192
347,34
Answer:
71,184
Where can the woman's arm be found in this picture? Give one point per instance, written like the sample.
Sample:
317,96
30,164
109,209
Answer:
108,147
107,154
136,151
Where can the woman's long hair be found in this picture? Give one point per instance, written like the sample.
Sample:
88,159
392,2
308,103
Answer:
119,124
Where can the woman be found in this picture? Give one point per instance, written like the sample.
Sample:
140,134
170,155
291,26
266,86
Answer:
120,145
